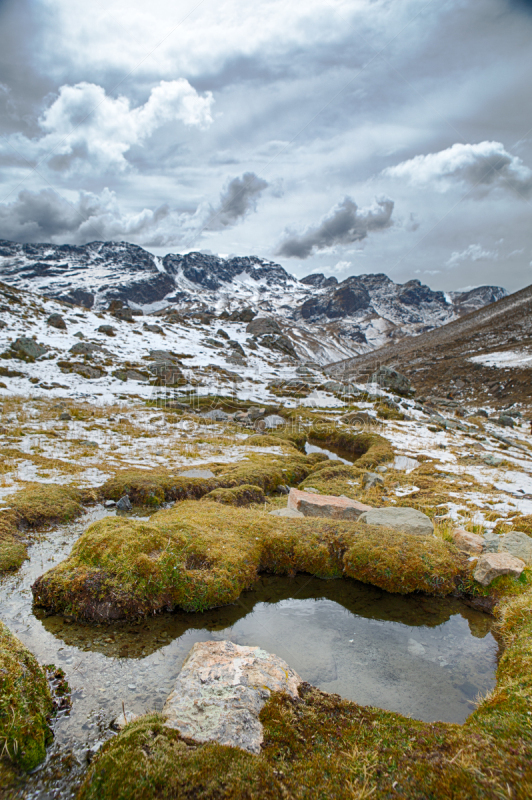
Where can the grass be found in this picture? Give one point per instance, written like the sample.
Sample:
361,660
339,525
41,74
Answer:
321,747
196,556
364,449
25,706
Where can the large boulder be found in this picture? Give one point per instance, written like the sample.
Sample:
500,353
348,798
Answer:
261,326
493,565
405,520
320,505
27,349
56,321
392,380
221,690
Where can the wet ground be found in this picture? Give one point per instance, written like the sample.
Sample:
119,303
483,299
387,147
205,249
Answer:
425,657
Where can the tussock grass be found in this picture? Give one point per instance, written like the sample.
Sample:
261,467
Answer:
25,705
199,555
244,495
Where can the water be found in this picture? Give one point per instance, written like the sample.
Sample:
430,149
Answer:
312,448
425,657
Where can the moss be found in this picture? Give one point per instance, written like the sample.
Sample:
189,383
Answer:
196,556
321,747
44,503
244,495
365,449
13,553
387,412
25,704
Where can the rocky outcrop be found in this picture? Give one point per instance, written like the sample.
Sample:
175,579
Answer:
493,565
318,505
405,520
221,690
393,381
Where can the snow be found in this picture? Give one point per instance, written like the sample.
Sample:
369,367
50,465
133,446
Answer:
504,358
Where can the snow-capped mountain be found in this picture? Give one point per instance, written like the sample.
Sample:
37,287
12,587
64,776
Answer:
327,320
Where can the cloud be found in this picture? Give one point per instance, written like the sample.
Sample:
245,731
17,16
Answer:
482,166
237,200
344,224
85,129
472,253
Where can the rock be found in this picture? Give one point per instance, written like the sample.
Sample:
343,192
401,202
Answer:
371,479
216,414
109,504
86,349
196,473
506,421
124,504
130,375
237,347
493,565
65,416
259,326
517,544
107,329
392,380
405,520
56,321
245,315
123,719
493,461
254,412
221,690
222,333
481,413
468,542
274,421
27,348
490,542
312,505
415,648
286,512
152,328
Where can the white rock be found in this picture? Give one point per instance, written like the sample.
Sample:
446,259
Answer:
220,691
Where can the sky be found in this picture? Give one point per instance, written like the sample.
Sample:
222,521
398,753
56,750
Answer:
335,136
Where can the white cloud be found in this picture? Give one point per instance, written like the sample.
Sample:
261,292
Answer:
481,166
472,253
85,129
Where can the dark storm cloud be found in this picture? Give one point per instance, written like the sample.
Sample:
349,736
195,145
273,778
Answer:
343,225
237,200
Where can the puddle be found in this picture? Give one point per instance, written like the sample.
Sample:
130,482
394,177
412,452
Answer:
312,448
425,657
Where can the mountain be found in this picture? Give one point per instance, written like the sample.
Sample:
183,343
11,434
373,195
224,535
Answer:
486,354
327,320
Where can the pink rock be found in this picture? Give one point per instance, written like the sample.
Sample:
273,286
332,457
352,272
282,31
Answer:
493,565
468,542
322,505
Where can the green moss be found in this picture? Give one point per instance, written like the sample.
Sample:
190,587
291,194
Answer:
386,412
321,747
43,503
244,495
365,449
196,556
13,553
25,705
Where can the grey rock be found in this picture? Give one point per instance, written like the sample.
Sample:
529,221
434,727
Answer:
221,690
56,321
152,328
405,520
222,333
371,479
216,414
65,416
124,504
506,421
491,542
286,512
392,380
493,461
274,421
123,719
85,349
109,504
517,544
263,325
196,473
107,329
254,412
27,348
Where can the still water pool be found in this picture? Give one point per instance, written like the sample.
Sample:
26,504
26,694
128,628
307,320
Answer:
424,657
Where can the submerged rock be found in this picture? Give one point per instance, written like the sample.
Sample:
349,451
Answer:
406,520
124,504
221,691
319,505
493,565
